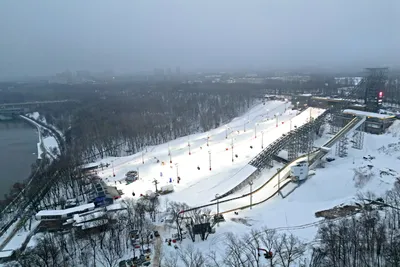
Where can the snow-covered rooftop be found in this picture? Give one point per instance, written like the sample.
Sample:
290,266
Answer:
89,217
66,211
367,114
6,253
115,206
92,224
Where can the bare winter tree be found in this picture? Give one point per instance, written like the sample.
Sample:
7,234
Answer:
172,260
174,211
289,249
192,257
113,248
234,256
268,240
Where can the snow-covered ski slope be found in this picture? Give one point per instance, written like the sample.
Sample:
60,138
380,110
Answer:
335,184
280,180
198,186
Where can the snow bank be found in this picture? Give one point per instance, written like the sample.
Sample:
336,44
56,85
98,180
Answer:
51,145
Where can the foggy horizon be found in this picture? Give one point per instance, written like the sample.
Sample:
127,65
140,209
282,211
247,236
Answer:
45,37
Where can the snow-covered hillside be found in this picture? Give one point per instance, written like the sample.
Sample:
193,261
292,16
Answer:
375,168
197,186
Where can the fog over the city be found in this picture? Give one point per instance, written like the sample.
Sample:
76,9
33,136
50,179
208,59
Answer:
43,37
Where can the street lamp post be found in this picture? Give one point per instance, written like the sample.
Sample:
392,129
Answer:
208,138
244,125
262,139
255,130
226,132
143,157
251,194
190,153
177,171
112,164
232,149
209,158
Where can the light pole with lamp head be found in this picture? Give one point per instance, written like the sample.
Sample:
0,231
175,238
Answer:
251,194
262,139
112,164
209,158
226,131
232,149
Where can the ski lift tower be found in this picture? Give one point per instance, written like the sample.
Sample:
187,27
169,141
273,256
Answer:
375,84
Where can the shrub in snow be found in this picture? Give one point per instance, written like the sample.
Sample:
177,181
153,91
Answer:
363,175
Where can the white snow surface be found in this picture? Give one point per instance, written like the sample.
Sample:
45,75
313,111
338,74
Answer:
50,143
334,185
66,211
197,187
367,114
35,115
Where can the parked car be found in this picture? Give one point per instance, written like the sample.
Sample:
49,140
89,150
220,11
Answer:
131,176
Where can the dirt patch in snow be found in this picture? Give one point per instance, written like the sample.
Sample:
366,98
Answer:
337,212
348,210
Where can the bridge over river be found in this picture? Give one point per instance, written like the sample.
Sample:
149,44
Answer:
12,109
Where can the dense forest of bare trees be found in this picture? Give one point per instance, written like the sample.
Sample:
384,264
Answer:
128,124
123,119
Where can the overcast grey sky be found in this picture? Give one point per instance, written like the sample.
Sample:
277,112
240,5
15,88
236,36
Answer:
43,37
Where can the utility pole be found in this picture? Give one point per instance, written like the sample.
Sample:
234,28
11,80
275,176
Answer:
143,157
209,158
112,164
177,171
169,154
255,130
190,153
155,182
232,149
208,138
276,120
251,194
262,139
226,132
138,176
